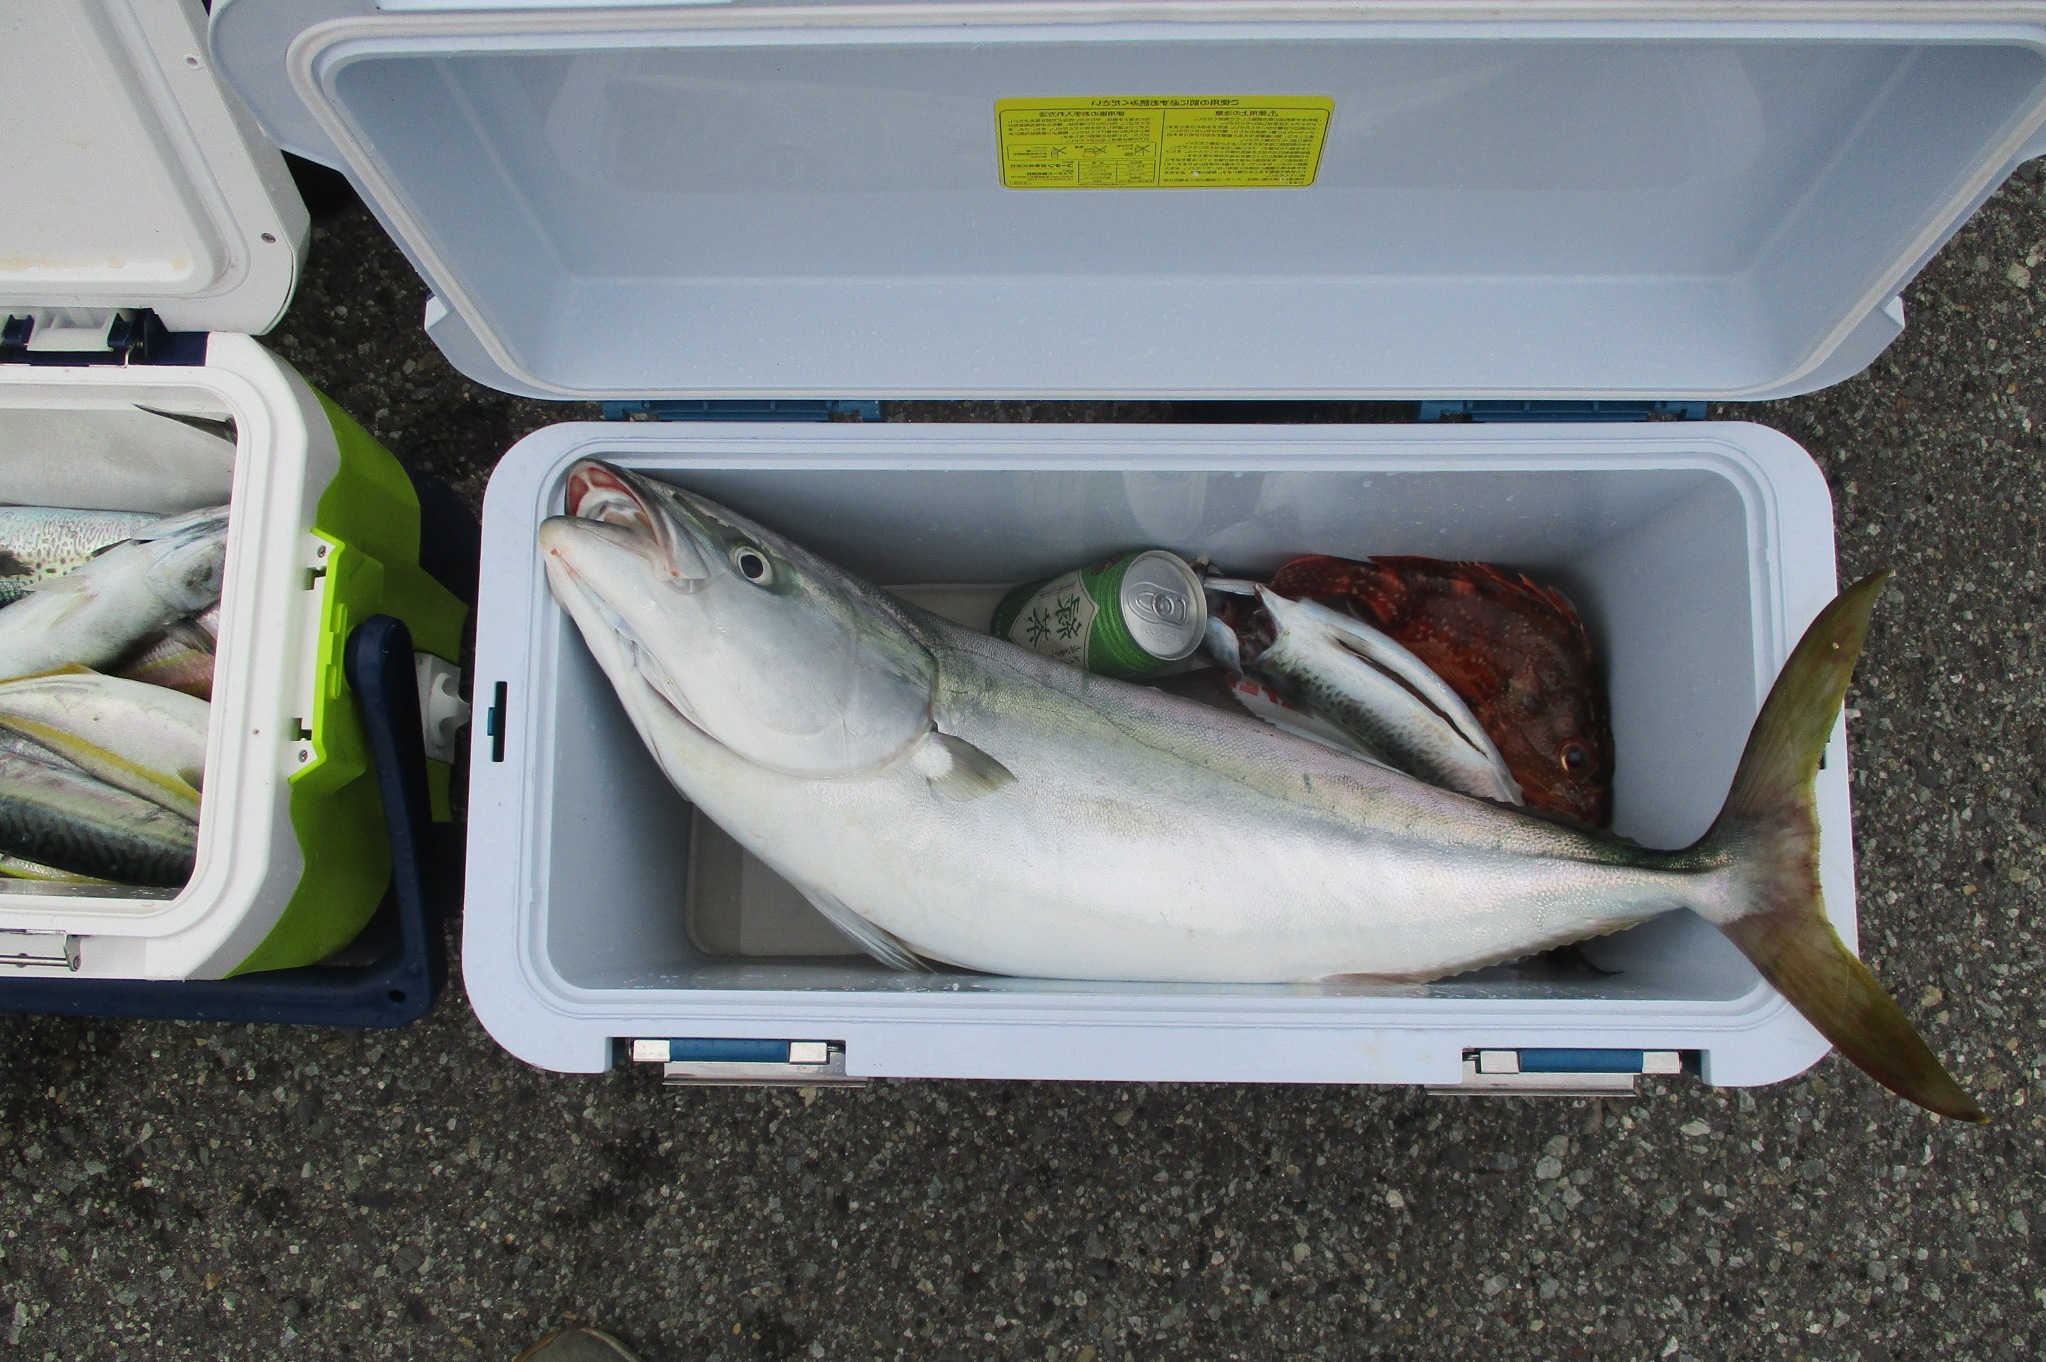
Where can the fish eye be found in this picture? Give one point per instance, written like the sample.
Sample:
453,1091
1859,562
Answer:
1575,757
752,564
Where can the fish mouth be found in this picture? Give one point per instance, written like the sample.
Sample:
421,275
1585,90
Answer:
562,571
609,495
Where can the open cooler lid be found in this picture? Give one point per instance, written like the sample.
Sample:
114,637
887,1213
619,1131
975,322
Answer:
130,180
1249,198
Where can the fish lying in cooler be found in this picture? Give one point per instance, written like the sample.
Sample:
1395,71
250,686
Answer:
41,542
1514,651
91,616
1332,672
61,822
943,796
178,656
100,775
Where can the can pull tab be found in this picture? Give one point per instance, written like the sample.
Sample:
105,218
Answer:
443,713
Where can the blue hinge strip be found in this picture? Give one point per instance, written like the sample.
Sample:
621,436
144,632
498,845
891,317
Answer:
1491,411
718,1049
766,409
1580,1061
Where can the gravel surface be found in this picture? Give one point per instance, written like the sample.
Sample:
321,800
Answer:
204,1191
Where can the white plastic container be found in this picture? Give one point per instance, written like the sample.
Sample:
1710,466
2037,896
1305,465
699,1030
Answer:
140,198
1696,552
1548,201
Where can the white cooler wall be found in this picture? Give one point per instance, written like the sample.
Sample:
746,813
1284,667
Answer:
1697,552
248,860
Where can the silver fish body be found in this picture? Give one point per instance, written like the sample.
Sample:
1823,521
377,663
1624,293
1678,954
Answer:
146,739
40,542
975,804
58,816
1373,688
94,614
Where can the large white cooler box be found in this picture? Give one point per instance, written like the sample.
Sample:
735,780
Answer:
1543,203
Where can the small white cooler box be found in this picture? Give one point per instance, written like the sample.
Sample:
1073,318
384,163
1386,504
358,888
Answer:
149,231
1538,203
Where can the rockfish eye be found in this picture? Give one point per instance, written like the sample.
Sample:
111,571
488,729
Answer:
1575,757
752,564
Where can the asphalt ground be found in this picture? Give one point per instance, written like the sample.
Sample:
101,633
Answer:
226,1191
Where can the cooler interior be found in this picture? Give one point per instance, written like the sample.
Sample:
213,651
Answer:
116,450
1667,564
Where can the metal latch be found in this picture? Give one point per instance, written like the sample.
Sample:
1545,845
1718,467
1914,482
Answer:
39,950
714,1061
1558,1072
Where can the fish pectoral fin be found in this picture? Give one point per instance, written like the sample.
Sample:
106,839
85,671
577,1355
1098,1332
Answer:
957,769
883,945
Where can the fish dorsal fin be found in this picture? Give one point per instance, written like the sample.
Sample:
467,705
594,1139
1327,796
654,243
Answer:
957,769
883,945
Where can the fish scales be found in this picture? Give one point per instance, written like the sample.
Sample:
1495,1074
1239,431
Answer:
40,542
66,819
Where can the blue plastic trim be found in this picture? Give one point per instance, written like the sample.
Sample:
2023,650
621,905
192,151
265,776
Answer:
774,409
714,1048
1562,411
141,340
1580,1061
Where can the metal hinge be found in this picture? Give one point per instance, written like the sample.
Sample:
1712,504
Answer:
71,336
766,409
39,950
1485,411
714,1061
1557,1072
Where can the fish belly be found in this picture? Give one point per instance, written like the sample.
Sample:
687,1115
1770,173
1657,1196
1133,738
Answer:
1110,859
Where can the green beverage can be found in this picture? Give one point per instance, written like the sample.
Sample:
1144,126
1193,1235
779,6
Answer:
1130,616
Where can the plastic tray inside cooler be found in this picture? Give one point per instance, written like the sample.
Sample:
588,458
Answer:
643,894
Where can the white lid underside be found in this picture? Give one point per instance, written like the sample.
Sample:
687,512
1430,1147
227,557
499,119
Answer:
769,201
129,180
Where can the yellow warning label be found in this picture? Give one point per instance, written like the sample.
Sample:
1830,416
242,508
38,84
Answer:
1162,141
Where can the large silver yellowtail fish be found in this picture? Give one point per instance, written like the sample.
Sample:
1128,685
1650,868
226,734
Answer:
946,796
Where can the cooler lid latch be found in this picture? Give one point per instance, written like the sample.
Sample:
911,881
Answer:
1558,1072
24,950
721,1061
